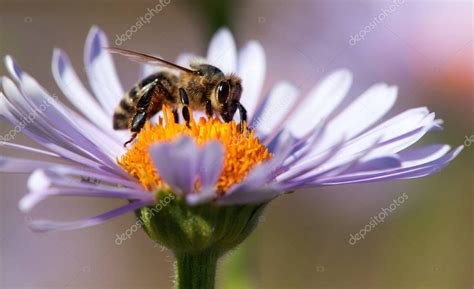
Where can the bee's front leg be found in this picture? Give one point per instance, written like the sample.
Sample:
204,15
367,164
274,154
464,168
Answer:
176,115
209,111
243,116
132,138
185,101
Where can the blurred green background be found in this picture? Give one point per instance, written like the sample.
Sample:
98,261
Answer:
424,47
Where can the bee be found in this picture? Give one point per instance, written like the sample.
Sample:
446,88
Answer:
202,87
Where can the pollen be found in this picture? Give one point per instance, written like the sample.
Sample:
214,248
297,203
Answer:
243,151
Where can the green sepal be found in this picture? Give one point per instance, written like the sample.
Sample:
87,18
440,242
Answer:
186,229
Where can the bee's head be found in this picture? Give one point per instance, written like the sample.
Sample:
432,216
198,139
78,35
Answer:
226,90
226,96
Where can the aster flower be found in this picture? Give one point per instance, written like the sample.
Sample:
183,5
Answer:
219,179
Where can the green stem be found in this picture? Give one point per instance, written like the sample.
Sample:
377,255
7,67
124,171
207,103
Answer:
196,270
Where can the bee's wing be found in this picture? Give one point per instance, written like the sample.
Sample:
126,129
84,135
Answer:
144,58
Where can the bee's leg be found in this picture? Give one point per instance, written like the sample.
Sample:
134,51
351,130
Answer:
132,138
142,106
176,115
185,101
209,111
138,121
243,116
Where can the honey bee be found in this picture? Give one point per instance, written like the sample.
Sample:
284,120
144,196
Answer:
202,87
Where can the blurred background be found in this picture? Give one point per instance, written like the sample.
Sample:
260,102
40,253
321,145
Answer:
424,47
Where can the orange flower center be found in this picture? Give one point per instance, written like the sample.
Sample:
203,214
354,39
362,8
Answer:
243,151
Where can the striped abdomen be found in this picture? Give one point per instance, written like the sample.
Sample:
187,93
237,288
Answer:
166,85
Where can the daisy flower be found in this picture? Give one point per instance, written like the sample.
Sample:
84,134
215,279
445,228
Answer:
215,179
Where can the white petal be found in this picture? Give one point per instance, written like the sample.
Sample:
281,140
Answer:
367,109
393,143
12,67
186,59
14,96
271,113
252,68
222,52
320,102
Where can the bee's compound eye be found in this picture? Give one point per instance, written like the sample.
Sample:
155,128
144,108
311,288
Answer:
223,91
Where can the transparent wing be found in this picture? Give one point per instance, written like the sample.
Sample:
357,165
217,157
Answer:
144,58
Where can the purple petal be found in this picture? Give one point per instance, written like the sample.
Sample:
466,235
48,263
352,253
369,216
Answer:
47,226
18,165
401,142
301,170
408,172
75,91
58,123
388,141
400,131
65,177
177,163
201,197
101,71
70,173
36,133
33,198
29,149
381,163
252,196
211,162
46,183
303,147
423,155
67,123
255,188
